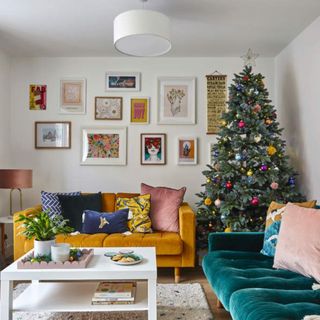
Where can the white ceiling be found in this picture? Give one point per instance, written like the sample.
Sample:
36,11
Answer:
199,27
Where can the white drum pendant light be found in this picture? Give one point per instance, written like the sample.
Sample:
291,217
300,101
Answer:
142,33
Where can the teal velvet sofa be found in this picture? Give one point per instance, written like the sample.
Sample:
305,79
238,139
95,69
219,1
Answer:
247,285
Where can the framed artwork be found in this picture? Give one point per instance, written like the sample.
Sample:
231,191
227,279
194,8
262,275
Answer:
37,97
52,135
108,108
139,110
122,81
176,100
104,146
211,153
187,150
153,148
73,96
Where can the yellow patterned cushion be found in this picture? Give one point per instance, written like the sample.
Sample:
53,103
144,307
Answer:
139,208
275,214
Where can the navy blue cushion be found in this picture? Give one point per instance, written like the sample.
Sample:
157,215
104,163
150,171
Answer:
50,201
105,222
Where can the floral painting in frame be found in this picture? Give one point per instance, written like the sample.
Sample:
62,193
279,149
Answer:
108,108
176,100
37,97
139,110
104,146
73,96
153,148
187,151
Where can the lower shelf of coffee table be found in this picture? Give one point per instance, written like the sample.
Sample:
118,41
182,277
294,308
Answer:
72,297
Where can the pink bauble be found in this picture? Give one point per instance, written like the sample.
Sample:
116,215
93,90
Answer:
241,124
257,108
274,185
217,203
255,201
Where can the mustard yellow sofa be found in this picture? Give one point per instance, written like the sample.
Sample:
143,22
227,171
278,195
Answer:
175,250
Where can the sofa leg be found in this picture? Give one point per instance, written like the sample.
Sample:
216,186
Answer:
219,304
176,275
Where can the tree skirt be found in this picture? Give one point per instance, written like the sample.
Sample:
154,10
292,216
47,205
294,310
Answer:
175,302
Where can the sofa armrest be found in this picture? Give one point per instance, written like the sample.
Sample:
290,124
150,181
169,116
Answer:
18,239
187,225
237,241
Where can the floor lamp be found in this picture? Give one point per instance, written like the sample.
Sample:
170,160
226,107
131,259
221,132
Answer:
15,179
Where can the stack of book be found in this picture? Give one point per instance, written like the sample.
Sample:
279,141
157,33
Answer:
114,293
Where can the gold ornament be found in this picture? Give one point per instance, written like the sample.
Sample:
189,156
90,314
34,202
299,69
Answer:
249,173
207,201
223,123
227,229
242,170
271,150
268,121
208,180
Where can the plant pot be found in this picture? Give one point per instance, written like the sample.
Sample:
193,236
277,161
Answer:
43,247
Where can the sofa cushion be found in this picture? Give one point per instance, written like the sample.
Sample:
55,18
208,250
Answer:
166,243
108,202
229,271
105,222
269,304
139,209
271,239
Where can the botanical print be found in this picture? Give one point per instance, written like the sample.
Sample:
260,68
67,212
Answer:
108,108
152,148
103,145
186,150
175,101
71,93
139,110
38,97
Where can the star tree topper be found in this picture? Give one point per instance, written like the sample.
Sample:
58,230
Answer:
250,58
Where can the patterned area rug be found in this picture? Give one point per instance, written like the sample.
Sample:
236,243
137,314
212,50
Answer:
175,302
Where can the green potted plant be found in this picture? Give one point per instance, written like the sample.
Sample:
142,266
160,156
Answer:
43,229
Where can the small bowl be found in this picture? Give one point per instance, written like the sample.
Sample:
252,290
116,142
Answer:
60,252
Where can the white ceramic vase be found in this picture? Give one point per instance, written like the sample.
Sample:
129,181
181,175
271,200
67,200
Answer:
43,247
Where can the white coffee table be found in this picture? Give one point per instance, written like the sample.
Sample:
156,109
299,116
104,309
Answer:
76,287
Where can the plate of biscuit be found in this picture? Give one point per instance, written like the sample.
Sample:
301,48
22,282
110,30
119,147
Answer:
125,259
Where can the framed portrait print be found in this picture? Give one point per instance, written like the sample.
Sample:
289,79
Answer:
38,97
153,148
52,135
73,96
176,100
122,81
108,108
104,146
139,110
187,151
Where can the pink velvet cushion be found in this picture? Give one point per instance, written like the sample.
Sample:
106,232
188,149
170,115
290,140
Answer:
298,247
165,203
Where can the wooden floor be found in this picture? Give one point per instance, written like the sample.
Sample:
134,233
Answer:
165,275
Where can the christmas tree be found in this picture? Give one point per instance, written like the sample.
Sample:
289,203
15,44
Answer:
250,168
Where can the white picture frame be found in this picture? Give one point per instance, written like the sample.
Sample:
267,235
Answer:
187,150
94,141
122,81
176,100
73,95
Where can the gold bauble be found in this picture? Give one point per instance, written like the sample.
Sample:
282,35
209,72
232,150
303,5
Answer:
268,121
242,170
207,201
208,180
223,123
249,173
271,150
228,229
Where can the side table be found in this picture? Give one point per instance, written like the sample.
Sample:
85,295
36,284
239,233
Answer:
3,222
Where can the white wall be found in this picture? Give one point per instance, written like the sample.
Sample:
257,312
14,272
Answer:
4,125
60,170
297,95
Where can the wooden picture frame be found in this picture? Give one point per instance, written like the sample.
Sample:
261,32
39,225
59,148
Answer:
153,149
108,108
52,135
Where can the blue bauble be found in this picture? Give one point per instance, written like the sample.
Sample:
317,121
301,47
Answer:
240,87
238,157
250,180
216,153
292,181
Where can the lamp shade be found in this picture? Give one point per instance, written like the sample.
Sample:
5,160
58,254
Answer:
142,33
15,178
